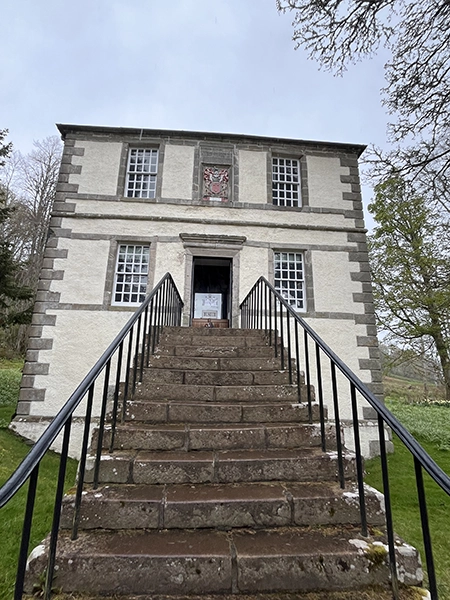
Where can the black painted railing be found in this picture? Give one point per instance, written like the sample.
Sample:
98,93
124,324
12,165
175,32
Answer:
120,368
301,350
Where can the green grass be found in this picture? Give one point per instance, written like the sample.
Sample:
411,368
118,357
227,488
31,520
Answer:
12,451
431,427
10,374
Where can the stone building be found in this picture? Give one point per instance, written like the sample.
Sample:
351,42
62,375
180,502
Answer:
216,211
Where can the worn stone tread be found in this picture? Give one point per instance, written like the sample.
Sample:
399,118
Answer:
214,363
219,393
367,593
213,436
225,506
243,560
157,375
153,411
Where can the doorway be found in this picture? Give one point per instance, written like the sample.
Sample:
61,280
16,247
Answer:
211,291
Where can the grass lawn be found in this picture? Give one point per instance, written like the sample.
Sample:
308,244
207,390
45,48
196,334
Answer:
10,374
431,427
12,451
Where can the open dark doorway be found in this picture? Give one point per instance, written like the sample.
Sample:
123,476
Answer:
211,287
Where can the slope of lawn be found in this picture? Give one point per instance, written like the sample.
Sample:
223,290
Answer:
430,425
10,374
12,451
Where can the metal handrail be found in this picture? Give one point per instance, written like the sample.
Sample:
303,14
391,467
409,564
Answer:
265,308
162,307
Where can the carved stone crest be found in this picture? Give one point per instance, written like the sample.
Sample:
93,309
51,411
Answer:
215,183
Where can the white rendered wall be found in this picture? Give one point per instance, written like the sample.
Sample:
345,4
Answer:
324,182
86,266
333,287
178,172
216,215
99,168
273,229
253,264
169,256
252,177
74,351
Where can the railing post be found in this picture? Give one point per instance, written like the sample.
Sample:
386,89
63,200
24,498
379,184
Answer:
337,421
289,349
136,354
151,333
271,322
159,305
265,308
26,533
308,375
426,531
116,398
57,511
82,463
320,395
257,302
388,509
275,326
101,427
127,374
282,338
144,339
359,466
297,362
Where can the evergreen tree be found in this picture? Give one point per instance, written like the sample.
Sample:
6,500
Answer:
14,297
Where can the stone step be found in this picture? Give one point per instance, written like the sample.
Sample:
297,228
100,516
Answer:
217,332
217,351
209,436
187,363
214,377
222,506
206,336
236,341
368,593
209,561
224,466
193,412
224,393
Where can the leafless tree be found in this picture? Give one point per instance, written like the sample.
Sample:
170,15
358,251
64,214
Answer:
28,185
31,181
417,93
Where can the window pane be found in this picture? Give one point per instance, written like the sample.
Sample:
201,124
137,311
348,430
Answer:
130,282
289,277
141,173
285,182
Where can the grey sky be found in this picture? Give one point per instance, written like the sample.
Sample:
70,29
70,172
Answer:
212,65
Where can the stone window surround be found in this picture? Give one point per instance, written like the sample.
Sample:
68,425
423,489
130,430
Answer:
155,144
150,174
303,175
110,270
138,276
308,276
212,246
302,287
280,183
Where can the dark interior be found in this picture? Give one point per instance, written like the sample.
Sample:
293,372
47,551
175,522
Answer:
212,275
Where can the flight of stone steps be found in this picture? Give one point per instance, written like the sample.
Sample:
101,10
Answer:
218,485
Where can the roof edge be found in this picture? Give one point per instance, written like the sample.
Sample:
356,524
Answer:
65,128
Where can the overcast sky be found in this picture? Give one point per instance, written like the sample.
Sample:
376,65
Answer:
203,65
